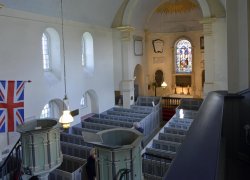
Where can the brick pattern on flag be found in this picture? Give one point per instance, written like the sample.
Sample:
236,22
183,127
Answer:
11,105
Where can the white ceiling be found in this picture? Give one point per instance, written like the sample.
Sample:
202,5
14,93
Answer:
97,12
139,13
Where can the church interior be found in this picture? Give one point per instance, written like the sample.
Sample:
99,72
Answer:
160,57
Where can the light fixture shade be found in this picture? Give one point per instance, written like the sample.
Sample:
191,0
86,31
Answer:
164,84
66,119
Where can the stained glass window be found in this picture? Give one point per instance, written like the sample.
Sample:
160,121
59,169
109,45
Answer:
183,58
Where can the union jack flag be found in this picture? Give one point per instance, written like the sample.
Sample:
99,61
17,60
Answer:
11,105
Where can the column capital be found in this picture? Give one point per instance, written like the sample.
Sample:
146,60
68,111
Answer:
125,32
207,25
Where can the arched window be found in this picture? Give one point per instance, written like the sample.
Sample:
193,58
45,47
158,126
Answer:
83,102
51,55
46,112
83,52
53,109
183,56
87,52
46,52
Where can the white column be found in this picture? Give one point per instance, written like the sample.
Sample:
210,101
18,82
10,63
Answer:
208,55
127,83
128,93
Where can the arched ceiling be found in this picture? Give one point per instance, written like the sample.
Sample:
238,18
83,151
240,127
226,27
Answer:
141,15
113,13
180,22
95,12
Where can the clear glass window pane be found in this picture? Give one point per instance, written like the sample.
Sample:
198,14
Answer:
46,111
83,52
45,52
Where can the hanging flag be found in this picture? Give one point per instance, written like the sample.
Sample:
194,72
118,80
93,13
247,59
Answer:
11,105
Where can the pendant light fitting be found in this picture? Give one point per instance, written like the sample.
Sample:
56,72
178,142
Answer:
66,117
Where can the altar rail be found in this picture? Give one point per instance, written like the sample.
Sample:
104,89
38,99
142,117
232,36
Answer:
170,102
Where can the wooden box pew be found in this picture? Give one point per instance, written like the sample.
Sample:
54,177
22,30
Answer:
140,111
75,150
119,118
172,130
73,138
171,137
168,146
149,124
191,104
154,168
120,113
190,107
147,101
182,121
110,122
177,125
160,152
96,126
190,114
77,130
142,108
71,168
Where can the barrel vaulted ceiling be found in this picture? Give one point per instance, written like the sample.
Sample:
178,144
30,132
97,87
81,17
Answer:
114,13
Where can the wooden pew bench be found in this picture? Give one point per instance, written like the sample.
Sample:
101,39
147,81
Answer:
171,137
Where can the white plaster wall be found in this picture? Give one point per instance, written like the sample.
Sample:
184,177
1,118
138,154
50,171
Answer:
21,59
220,54
167,66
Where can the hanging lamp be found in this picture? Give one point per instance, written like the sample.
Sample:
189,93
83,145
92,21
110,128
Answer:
66,117
164,84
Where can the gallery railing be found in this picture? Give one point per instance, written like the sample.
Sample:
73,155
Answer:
10,167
